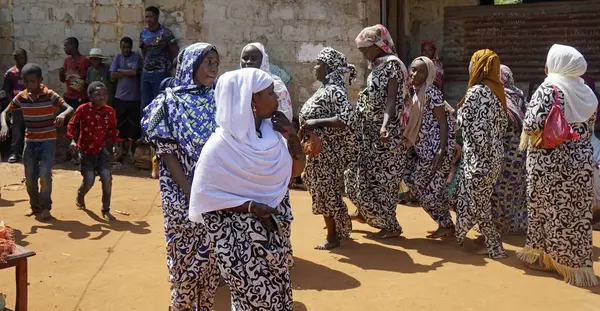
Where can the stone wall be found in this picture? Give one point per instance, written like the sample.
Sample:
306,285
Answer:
293,31
6,35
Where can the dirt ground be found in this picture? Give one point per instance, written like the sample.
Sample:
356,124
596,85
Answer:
85,263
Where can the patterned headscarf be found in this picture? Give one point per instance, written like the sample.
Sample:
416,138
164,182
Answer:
337,63
486,70
515,102
184,114
378,35
432,45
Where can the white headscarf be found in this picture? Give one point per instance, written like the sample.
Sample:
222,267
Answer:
264,65
565,68
283,95
419,102
235,165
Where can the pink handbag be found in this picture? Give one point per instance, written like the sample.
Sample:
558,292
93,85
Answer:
556,129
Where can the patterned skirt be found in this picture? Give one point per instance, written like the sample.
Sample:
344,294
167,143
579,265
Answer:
560,195
325,185
254,259
508,200
193,271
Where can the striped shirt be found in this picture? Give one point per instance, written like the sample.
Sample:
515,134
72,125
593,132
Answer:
38,113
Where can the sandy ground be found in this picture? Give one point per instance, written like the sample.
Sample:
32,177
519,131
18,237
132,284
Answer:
85,263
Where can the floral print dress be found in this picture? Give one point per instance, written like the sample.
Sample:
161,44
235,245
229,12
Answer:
560,195
482,120
373,180
324,173
426,185
508,200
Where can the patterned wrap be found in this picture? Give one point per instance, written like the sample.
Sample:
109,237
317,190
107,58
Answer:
508,199
373,180
559,197
185,114
324,172
482,120
178,122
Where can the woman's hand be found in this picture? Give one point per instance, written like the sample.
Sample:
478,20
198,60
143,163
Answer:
311,124
439,159
282,124
262,211
383,134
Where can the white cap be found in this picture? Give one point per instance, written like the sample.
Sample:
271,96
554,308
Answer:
96,52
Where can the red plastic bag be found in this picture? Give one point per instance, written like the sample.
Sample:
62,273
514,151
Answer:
556,129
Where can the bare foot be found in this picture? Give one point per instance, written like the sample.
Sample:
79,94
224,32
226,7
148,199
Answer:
108,216
441,232
45,214
384,234
328,244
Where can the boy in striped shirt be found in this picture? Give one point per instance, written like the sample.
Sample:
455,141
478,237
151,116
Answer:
37,103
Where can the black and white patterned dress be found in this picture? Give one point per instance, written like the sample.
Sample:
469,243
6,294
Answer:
324,172
482,120
426,185
560,194
373,180
193,271
253,259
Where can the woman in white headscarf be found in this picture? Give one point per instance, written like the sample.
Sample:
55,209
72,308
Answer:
254,55
240,191
430,136
559,183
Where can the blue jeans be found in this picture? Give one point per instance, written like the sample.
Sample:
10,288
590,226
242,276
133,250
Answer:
90,167
38,158
150,87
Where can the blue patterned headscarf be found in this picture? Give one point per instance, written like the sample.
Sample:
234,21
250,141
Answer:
183,114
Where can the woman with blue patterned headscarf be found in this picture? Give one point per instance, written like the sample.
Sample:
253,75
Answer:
179,122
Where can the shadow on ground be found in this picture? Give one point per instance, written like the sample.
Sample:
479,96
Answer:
77,230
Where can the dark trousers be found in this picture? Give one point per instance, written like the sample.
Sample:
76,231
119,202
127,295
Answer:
128,118
90,167
150,87
17,141
38,158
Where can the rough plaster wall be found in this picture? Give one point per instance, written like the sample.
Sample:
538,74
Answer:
40,27
293,32
6,35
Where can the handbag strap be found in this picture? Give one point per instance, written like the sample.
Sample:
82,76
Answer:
556,99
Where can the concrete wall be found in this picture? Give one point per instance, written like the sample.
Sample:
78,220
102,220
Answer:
293,31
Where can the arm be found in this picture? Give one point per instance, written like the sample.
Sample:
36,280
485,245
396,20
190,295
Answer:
176,171
7,88
62,74
4,125
73,129
390,108
440,115
128,73
60,103
113,133
538,109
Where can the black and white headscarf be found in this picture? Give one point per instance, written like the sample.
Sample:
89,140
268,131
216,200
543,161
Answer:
338,66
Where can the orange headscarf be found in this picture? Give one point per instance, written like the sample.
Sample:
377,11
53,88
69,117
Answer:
486,70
